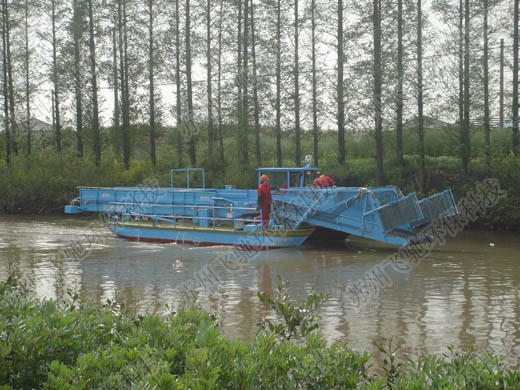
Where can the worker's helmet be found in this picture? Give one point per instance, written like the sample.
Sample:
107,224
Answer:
264,178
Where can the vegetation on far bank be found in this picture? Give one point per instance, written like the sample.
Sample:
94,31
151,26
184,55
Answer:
44,181
75,345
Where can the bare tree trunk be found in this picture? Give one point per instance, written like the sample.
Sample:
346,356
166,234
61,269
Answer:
117,108
400,81
487,127
78,82
461,78
515,80
245,101
465,138
125,99
378,83
502,83
95,107
27,83
151,77
5,90
314,84
178,106
255,90
14,124
278,84
219,87
56,112
189,87
240,81
297,130
209,84
340,86
420,103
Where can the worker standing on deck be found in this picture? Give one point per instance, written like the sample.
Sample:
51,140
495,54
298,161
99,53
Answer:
323,181
265,200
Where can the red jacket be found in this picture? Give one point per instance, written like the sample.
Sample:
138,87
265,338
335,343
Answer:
264,195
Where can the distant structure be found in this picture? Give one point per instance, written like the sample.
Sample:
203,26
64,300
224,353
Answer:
429,123
37,126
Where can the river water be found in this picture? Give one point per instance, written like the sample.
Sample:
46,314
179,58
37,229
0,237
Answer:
465,293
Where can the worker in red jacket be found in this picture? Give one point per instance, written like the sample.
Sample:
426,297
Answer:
323,181
265,200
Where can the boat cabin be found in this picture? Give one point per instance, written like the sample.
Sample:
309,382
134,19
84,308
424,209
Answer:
286,178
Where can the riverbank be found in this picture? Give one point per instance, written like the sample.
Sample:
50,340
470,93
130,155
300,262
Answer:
76,345
44,182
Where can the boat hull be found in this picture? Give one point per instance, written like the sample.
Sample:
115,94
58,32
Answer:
208,237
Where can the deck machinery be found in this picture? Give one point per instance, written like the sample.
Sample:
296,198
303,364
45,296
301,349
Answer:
383,214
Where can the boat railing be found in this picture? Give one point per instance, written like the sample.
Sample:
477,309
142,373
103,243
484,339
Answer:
188,172
201,216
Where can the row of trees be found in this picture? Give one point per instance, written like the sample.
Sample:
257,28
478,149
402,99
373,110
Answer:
282,64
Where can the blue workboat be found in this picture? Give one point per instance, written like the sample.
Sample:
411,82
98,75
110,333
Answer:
229,216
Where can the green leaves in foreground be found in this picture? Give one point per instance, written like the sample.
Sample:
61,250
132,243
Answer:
58,346
298,318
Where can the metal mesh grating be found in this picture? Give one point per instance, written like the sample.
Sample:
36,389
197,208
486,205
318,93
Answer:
404,211
437,206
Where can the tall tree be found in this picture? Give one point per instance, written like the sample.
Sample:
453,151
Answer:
256,103
314,84
27,77
5,89
420,103
189,88
340,85
93,70
10,80
55,81
378,86
461,78
178,106
278,83
465,139
400,81
209,90
487,127
297,130
515,79
123,74
244,147
240,81
116,121
151,80
219,88
77,37
501,99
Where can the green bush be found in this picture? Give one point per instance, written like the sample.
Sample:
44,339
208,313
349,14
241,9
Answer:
72,345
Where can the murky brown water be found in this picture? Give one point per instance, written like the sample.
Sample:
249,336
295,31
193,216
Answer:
464,294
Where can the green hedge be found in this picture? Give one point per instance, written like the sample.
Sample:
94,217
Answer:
58,346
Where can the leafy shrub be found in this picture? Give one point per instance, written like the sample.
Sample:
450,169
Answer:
71,346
